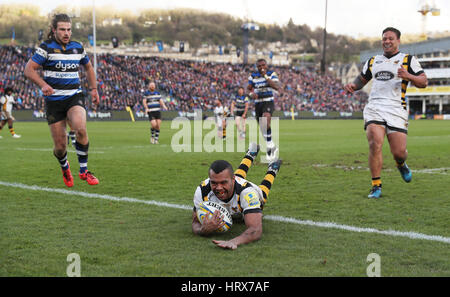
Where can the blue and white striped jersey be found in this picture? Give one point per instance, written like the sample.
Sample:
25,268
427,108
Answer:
153,98
240,102
261,87
61,65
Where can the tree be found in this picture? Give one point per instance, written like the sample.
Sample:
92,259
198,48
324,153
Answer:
193,26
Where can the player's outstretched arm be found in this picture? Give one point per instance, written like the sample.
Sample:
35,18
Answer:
253,221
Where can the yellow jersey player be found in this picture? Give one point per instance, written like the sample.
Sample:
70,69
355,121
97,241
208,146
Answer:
221,113
385,113
6,103
239,196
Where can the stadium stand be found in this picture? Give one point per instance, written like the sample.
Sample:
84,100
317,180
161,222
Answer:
186,85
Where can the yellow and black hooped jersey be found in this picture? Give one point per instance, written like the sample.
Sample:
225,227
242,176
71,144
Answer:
226,112
247,197
387,87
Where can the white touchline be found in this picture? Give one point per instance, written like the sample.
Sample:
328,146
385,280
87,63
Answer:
92,195
411,235
427,170
51,150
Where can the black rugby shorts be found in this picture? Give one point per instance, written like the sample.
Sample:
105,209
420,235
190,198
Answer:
154,115
57,110
264,107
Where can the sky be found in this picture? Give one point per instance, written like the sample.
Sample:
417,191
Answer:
356,18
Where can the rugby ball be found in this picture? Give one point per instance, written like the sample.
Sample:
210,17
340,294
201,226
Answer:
207,208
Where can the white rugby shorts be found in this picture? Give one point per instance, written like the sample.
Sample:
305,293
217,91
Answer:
393,118
5,115
219,122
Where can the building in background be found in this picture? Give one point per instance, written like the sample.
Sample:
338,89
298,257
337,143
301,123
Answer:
347,73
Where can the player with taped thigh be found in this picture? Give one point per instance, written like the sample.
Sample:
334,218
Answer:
237,195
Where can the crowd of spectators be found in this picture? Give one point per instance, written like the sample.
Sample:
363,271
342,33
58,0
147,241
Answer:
185,85
12,65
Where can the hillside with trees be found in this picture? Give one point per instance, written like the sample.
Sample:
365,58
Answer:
193,26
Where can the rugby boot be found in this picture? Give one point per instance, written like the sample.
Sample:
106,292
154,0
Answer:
253,150
275,166
89,177
272,153
375,192
67,177
405,172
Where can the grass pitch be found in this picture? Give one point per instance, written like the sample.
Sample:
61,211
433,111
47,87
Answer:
324,178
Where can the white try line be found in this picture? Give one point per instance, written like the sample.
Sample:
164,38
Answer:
51,150
428,170
411,235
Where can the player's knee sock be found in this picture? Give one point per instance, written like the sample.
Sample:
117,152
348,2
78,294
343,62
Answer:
400,163
267,183
72,137
82,153
153,132
243,129
11,130
376,181
245,165
156,135
62,161
268,136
